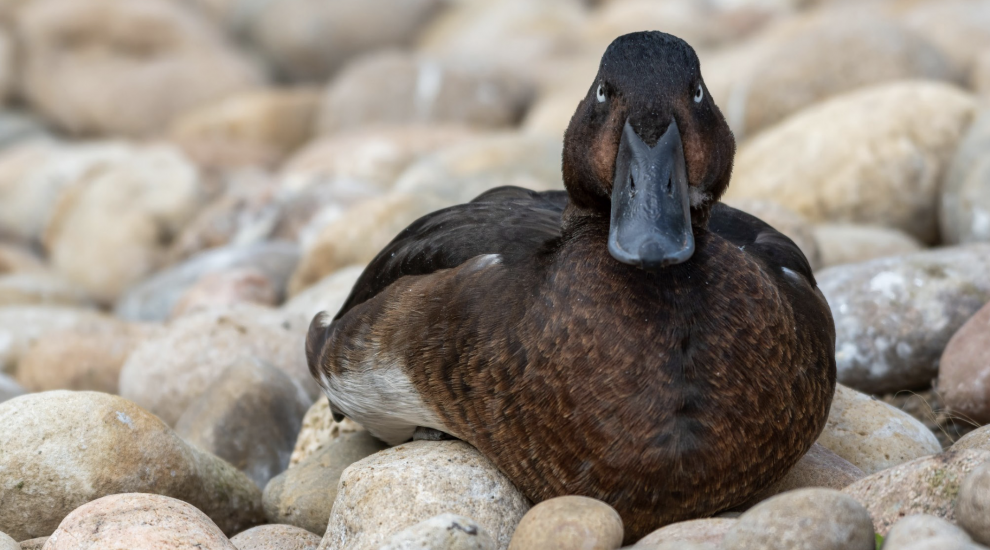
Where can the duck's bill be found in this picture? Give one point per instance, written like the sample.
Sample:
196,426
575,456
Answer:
651,207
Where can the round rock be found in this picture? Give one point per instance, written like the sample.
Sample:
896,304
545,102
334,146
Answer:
894,316
62,449
973,506
872,434
401,486
569,523
140,522
318,430
697,531
927,485
7,543
276,537
847,243
443,532
964,370
918,527
805,519
964,208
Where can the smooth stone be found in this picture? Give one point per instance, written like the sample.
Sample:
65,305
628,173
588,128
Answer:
960,28
941,542
460,173
569,523
129,68
965,367
111,228
34,544
499,33
788,222
318,430
979,78
7,543
894,316
249,417
873,435
138,522
87,357
964,206
276,537
358,235
168,372
834,55
227,288
373,157
973,506
16,260
805,519
22,326
305,494
696,531
876,155
308,41
978,439
154,298
9,388
819,467
40,289
928,485
326,295
443,532
404,485
256,128
847,243
63,449
19,126
396,87
917,527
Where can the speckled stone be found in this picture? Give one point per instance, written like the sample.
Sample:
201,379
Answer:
696,531
443,532
928,485
61,449
973,506
318,430
137,521
805,519
34,544
569,523
917,527
894,316
872,434
276,537
401,486
978,439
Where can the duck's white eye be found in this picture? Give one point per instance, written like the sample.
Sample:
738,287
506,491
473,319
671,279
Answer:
698,94
600,94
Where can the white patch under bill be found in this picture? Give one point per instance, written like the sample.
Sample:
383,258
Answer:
697,197
378,394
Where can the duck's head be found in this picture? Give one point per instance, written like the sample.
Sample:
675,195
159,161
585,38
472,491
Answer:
648,149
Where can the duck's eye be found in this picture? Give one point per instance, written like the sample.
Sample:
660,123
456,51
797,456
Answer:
698,94
600,94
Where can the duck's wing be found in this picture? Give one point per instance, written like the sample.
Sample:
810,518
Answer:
509,221
773,249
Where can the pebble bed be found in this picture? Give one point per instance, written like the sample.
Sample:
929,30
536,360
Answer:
184,184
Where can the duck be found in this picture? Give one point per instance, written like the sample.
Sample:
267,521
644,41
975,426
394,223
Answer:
630,339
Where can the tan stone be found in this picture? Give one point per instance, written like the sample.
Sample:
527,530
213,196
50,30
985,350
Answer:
34,544
696,531
913,528
873,435
15,260
459,174
276,537
166,373
805,519
876,155
63,449
965,367
305,494
255,128
40,288
88,357
226,288
928,485
443,532
401,486
110,228
123,68
569,523
139,522
819,467
846,243
359,234
960,28
964,204
790,223
973,506
318,430
978,439
22,326
979,78
326,296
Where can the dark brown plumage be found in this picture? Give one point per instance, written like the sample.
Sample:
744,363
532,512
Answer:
669,390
